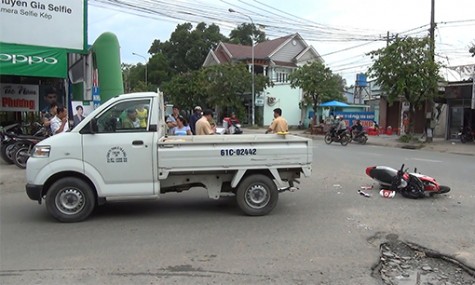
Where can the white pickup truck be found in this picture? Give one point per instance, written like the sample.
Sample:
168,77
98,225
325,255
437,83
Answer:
108,156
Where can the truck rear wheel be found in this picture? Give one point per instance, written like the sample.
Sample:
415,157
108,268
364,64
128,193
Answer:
70,200
257,195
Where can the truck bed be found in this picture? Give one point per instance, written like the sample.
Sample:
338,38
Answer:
232,152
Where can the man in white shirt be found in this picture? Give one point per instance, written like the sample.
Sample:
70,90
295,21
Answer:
60,124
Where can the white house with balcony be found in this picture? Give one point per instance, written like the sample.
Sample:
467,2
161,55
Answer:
276,59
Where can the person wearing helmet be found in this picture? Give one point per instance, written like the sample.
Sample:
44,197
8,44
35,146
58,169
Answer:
341,125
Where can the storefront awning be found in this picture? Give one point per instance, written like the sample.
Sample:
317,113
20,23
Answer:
37,61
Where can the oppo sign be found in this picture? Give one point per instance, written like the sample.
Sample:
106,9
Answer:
24,60
19,58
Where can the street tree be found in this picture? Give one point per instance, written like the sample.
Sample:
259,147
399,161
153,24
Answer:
187,48
245,34
134,77
405,69
226,84
159,70
318,84
186,90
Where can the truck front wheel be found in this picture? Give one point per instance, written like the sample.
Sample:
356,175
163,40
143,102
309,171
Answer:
257,195
70,200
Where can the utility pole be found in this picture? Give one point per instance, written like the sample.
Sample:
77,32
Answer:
253,108
429,113
144,58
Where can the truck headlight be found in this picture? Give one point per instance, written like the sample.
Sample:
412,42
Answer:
41,151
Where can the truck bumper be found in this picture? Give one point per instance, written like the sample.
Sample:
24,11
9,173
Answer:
34,192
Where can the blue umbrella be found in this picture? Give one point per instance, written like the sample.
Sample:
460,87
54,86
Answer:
334,103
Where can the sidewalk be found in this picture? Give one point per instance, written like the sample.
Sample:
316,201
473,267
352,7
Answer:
438,144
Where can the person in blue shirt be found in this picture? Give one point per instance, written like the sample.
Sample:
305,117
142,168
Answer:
182,128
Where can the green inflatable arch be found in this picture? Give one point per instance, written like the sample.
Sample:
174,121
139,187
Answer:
106,54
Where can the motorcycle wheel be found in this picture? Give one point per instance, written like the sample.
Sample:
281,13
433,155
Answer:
5,149
344,140
10,151
443,189
463,139
363,140
328,139
21,157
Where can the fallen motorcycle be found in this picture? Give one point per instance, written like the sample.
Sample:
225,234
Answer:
411,185
332,136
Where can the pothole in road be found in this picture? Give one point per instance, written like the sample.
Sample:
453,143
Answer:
404,263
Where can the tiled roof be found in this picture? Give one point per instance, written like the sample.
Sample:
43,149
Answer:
264,49
261,50
221,55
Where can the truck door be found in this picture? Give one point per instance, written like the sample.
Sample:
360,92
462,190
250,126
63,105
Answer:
121,148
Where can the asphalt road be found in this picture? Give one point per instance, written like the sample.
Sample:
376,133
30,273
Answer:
324,233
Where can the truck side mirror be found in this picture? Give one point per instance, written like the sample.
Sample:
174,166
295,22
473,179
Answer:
93,126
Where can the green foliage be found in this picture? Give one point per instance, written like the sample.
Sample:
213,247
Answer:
134,77
245,34
406,69
159,70
140,87
186,90
318,83
187,49
406,138
217,87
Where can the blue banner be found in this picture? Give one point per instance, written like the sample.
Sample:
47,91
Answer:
366,118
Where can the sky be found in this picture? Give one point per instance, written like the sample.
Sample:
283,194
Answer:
335,28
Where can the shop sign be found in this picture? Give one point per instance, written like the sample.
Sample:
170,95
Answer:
19,97
32,61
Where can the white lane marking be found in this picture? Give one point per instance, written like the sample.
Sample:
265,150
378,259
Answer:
427,160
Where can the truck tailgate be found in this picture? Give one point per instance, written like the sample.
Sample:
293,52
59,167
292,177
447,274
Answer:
207,153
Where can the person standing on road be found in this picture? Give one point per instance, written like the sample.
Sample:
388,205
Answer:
194,118
279,124
60,124
203,125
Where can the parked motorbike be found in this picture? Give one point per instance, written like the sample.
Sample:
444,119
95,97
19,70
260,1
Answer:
411,185
6,139
19,146
332,136
466,135
22,150
360,138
